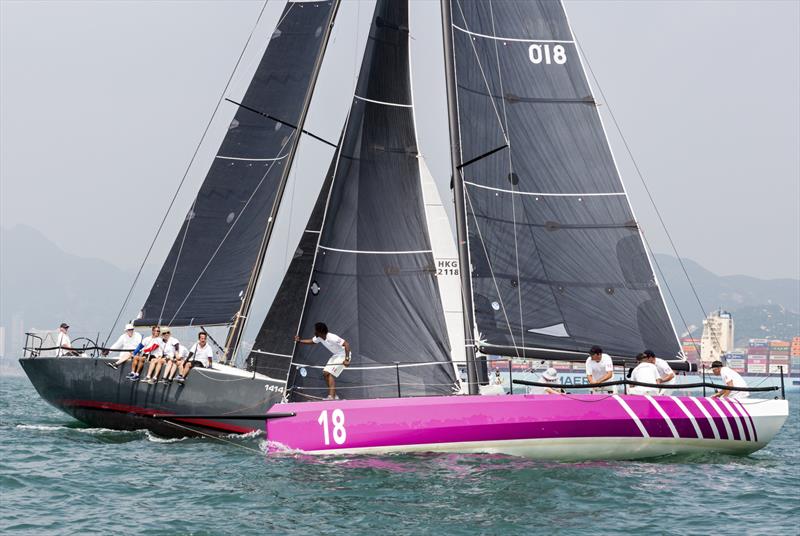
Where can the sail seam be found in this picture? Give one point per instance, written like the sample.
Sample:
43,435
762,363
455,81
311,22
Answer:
515,39
373,101
251,159
547,194
373,252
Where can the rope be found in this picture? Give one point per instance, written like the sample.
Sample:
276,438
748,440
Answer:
193,430
185,174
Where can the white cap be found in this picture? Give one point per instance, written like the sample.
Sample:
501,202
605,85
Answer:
550,374
128,326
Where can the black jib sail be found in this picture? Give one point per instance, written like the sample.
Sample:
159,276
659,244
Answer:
213,259
373,280
557,260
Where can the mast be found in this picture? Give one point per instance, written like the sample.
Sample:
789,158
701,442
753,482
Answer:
458,198
236,331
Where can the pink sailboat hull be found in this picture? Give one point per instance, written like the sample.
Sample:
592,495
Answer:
570,427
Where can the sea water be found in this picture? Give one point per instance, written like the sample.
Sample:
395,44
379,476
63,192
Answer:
58,476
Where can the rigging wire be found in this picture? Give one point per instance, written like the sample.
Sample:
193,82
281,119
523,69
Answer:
646,188
186,173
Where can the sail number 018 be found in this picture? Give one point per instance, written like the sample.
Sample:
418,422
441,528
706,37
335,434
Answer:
337,419
544,53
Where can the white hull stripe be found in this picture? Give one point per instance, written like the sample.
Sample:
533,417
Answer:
747,418
738,418
384,103
663,413
725,419
633,415
376,252
689,415
705,412
251,159
546,194
515,39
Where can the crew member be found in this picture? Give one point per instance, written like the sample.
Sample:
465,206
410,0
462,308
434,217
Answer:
666,376
199,350
128,341
599,369
150,346
548,376
645,372
63,342
340,359
168,346
731,379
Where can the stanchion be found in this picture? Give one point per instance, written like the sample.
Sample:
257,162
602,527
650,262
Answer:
397,370
510,379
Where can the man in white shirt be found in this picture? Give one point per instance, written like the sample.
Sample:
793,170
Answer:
168,346
340,359
175,364
731,379
645,372
199,351
63,342
666,376
128,342
599,369
548,376
149,347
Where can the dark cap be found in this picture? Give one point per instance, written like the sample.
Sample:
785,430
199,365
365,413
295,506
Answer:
716,364
595,350
64,325
649,353
641,356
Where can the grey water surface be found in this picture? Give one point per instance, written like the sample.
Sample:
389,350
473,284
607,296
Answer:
58,476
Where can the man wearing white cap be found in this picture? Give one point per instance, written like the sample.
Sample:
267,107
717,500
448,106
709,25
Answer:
127,343
548,376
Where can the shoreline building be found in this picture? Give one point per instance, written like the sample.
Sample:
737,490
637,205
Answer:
717,339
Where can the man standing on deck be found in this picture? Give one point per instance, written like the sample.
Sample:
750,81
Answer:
731,379
340,359
645,372
666,375
599,369
128,342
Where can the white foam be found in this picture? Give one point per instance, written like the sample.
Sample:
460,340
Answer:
155,439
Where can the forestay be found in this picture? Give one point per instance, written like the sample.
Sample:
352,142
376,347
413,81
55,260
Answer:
558,262
373,280
213,258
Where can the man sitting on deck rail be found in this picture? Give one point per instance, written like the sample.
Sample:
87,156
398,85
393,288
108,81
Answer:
340,359
168,346
128,341
645,372
666,375
731,379
599,369
175,364
149,346
201,349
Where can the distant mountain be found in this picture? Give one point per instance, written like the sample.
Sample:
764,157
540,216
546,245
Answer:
41,286
760,307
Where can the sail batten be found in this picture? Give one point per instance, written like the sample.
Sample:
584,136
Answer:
557,260
209,270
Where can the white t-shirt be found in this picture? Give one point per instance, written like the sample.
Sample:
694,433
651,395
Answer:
203,354
126,343
62,340
728,374
598,369
333,343
664,370
169,346
645,373
149,341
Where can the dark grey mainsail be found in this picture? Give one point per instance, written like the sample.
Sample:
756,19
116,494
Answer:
373,280
557,259
211,265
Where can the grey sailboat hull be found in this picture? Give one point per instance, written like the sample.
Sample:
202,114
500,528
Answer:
97,395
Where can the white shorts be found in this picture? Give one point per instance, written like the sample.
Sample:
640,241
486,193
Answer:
335,365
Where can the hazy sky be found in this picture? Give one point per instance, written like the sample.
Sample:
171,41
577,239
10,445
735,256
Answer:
102,104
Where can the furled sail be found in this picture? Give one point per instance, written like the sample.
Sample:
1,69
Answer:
373,279
212,261
557,260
